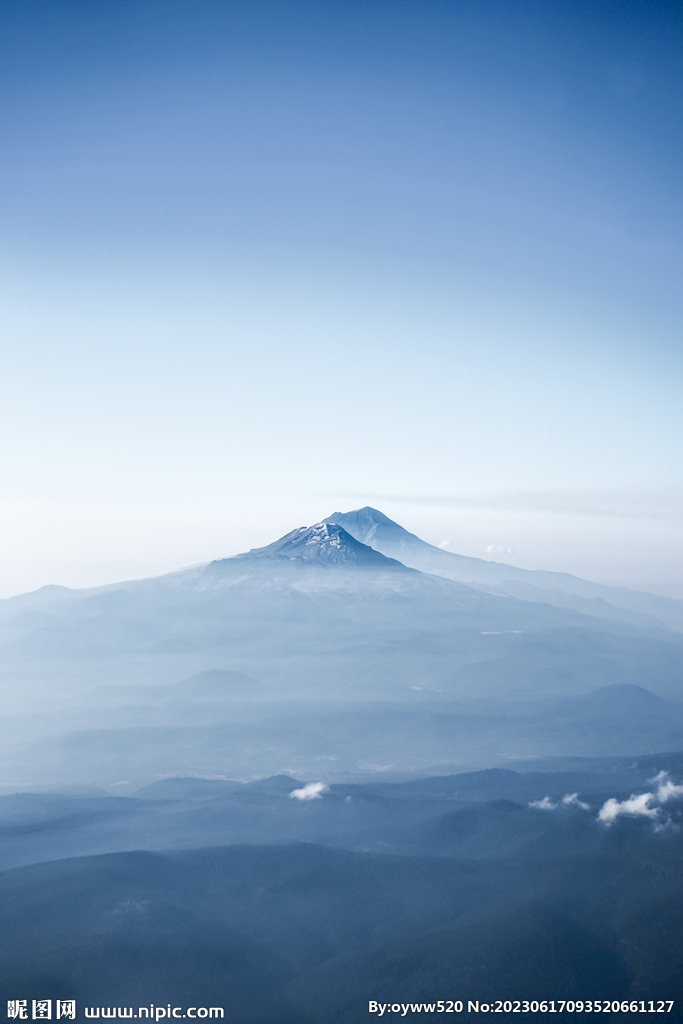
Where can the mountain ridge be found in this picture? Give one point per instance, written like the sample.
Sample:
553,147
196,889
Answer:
374,528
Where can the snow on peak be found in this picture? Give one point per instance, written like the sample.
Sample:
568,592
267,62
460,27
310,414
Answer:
325,543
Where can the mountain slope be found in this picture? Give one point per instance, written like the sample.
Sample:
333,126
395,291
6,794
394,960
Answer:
323,544
372,527
332,607
284,637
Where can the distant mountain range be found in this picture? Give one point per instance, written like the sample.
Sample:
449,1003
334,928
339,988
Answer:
325,653
249,784
494,883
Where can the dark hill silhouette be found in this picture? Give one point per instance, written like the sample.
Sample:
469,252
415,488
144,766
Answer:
305,933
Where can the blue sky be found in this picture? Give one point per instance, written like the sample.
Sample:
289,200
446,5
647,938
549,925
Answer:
262,261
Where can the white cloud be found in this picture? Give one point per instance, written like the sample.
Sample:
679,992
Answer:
635,806
311,791
572,800
643,805
667,790
546,804
444,544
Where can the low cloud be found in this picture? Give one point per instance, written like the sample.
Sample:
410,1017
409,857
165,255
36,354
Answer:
498,632
643,805
667,790
311,791
635,807
569,800
546,804
572,800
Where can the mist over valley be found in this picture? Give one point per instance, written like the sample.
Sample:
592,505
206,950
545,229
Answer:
322,775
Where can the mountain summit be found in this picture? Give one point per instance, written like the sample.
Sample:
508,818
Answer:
372,527
323,544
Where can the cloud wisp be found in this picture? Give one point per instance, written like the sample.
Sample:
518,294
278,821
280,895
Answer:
572,800
663,505
569,800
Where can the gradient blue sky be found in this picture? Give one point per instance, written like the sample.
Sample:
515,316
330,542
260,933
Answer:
262,261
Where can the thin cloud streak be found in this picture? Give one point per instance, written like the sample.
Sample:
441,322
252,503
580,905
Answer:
644,506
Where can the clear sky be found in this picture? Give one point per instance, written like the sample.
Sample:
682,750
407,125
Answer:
264,261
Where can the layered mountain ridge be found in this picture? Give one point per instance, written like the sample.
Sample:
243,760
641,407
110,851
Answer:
349,679
319,654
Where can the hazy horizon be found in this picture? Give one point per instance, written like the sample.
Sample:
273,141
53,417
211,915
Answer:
265,261
86,559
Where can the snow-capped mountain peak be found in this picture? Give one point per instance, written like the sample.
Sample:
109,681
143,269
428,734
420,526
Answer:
323,543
